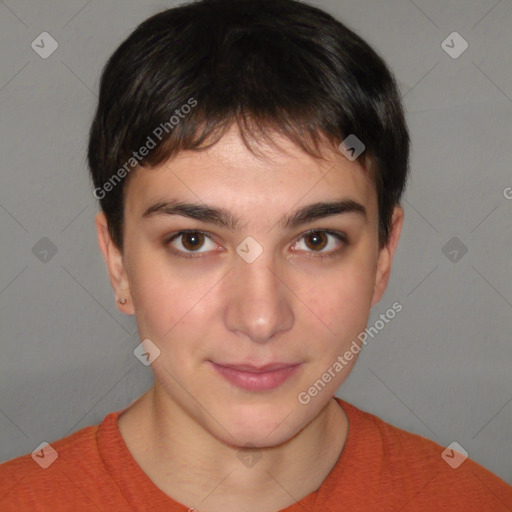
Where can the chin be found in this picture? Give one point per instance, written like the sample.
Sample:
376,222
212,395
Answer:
255,439
262,428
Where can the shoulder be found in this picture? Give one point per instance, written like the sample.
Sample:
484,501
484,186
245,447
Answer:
57,476
415,469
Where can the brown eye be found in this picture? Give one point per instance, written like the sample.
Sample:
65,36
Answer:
316,240
190,244
192,241
321,243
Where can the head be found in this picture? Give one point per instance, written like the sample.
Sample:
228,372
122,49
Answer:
224,119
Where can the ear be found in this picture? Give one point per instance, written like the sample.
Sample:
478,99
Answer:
115,266
386,254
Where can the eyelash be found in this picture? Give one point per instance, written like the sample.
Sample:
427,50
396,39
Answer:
341,237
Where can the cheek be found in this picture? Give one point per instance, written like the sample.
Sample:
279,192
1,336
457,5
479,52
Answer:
154,294
165,295
341,300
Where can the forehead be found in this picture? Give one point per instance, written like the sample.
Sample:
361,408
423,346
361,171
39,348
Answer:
229,175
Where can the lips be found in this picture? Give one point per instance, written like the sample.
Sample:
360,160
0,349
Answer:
257,369
256,378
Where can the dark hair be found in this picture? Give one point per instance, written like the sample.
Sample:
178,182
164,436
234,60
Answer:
268,65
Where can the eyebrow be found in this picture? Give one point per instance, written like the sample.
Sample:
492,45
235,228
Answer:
223,218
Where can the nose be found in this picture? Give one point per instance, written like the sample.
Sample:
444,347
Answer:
259,303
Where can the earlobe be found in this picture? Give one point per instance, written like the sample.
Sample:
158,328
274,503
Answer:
386,255
115,265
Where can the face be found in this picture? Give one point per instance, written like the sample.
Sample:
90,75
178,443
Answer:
278,264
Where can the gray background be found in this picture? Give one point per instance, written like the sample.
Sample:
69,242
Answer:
441,368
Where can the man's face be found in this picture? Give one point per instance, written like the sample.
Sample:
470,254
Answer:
301,302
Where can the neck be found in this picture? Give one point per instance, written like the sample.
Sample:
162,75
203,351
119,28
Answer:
196,469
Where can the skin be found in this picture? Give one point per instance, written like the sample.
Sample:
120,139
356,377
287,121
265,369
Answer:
289,305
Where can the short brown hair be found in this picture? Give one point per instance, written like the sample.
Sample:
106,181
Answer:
268,65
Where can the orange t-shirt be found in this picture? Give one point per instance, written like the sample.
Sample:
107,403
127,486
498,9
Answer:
380,468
